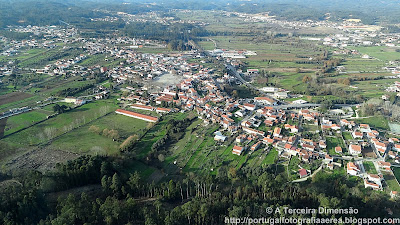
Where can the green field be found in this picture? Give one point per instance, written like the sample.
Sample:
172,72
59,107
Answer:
377,122
391,182
369,167
293,168
82,140
18,122
380,52
60,124
347,136
271,157
154,134
333,142
396,171
363,65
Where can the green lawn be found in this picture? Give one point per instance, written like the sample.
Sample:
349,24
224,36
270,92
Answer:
396,171
270,158
369,167
377,122
391,182
347,136
333,142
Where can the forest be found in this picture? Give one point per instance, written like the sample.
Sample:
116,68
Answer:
126,198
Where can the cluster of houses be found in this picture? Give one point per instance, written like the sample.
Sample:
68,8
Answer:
395,87
234,54
358,36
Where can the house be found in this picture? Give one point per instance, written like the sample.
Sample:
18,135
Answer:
357,134
328,159
249,106
277,132
299,102
303,173
265,100
392,155
237,150
384,165
280,94
219,136
163,110
396,147
335,127
293,128
137,115
355,149
394,194
142,107
255,146
373,185
330,166
268,141
352,169
240,138
338,149
322,144
253,131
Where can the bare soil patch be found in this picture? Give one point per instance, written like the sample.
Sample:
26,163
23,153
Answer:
40,159
13,97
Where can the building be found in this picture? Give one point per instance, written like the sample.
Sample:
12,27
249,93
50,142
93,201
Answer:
137,115
303,173
355,149
219,137
353,169
265,100
237,150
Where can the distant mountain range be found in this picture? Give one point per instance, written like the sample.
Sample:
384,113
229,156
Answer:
12,12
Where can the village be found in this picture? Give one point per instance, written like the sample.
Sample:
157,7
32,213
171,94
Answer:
259,125
298,132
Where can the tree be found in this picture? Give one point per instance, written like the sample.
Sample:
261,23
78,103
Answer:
161,157
116,185
59,109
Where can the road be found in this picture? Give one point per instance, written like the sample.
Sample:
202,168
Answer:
240,78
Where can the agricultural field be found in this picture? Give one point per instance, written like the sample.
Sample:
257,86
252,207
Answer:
21,121
362,65
43,58
381,53
54,127
85,141
369,167
293,168
15,100
371,88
